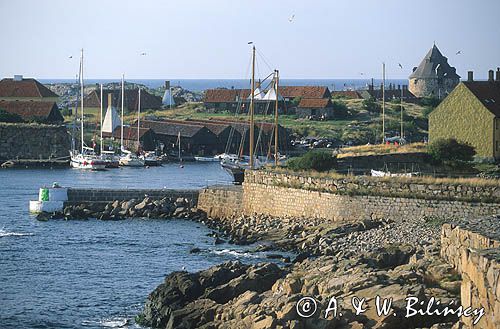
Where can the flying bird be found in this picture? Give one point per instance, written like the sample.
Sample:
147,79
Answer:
143,54
250,42
71,56
459,52
401,66
291,18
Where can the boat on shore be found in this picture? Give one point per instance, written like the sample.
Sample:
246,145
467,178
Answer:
151,159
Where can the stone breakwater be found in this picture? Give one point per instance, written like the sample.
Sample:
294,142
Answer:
374,257
167,207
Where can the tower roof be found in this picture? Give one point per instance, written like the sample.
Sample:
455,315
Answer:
434,65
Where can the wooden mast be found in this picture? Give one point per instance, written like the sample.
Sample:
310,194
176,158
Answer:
123,99
252,109
81,96
139,120
276,82
383,103
101,120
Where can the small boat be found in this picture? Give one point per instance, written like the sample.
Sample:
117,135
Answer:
207,159
151,159
131,160
87,161
111,160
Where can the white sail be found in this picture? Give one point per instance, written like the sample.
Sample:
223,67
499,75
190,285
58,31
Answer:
258,94
111,120
168,98
271,95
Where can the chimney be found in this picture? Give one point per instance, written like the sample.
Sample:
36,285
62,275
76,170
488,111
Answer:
167,84
470,76
110,99
498,74
18,77
490,75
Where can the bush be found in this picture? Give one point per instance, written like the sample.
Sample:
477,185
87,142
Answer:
371,105
450,151
340,110
432,102
9,117
313,160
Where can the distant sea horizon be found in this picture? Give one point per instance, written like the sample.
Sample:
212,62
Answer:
203,84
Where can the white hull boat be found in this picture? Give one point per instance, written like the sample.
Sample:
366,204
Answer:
131,160
90,162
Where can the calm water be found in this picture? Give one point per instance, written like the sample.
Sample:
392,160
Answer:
95,274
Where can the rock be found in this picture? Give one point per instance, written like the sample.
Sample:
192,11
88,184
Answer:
194,250
266,322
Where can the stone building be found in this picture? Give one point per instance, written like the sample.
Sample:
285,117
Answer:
471,114
434,77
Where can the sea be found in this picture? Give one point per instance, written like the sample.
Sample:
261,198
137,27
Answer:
203,84
91,273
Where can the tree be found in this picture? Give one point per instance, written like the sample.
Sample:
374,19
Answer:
9,117
340,110
450,151
371,105
313,160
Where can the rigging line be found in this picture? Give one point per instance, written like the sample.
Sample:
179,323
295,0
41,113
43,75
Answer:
264,59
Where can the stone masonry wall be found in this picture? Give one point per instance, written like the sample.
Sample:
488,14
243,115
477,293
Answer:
33,141
222,202
377,186
473,248
109,195
283,201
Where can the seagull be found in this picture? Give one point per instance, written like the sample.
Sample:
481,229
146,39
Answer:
71,56
291,18
401,66
143,54
250,42
459,52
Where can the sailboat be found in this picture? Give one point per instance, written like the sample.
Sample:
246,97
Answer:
128,158
237,166
86,158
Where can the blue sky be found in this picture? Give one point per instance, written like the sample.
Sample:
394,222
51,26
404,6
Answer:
208,38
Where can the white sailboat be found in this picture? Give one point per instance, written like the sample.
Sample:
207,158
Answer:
129,159
86,158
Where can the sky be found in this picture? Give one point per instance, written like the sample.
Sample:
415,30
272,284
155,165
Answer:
207,39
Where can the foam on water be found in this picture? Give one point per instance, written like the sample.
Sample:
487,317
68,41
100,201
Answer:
235,253
4,233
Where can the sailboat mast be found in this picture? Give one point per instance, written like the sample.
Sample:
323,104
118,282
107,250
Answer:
101,119
81,94
276,120
252,109
123,98
383,103
179,144
138,119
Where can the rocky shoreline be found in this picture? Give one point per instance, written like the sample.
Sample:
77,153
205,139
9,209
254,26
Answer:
345,260
392,259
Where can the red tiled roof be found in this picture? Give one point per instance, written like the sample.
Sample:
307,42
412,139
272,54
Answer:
317,103
29,110
24,88
225,95
304,91
488,93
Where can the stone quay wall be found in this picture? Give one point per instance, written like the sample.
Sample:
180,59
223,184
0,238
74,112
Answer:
413,188
474,250
283,201
33,141
76,195
221,201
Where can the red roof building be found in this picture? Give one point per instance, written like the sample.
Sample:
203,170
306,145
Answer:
21,89
34,111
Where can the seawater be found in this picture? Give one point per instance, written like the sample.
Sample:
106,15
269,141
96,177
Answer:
203,84
90,273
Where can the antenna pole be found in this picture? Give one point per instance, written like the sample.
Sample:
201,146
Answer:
402,135
252,109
